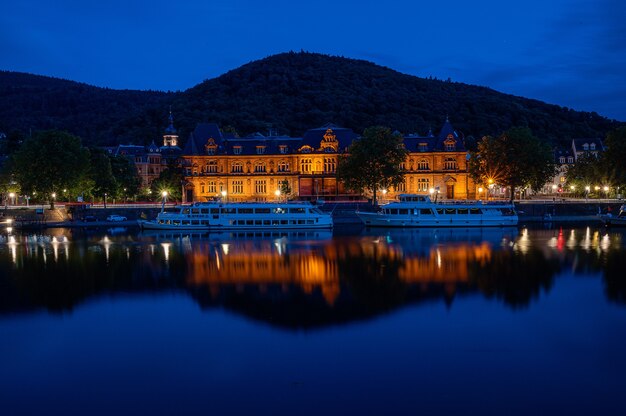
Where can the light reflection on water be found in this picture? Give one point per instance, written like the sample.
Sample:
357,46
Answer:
423,321
514,265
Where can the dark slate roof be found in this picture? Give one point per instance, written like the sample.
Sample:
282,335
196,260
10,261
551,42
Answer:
314,137
578,144
199,137
129,150
272,144
170,129
435,144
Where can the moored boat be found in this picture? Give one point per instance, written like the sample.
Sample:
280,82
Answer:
211,216
414,210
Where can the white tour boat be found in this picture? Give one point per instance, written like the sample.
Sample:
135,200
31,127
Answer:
213,216
413,210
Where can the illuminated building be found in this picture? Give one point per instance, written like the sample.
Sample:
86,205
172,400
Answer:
257,166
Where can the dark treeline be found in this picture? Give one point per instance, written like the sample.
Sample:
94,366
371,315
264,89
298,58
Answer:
291,92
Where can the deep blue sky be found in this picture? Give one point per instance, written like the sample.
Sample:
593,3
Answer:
566,52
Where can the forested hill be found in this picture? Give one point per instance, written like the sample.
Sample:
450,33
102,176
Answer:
291,92
32,102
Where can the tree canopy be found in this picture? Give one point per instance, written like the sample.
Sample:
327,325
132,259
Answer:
50,162
514,159
373,162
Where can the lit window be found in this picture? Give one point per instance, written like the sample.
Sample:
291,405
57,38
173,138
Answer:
422,185
329,165
450,164
260,187
422,147
259,167
237,150
237,167
260,150
570,159
305,165
422,165
237,187
562,159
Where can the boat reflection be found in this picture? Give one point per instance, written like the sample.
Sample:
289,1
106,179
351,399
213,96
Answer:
306,278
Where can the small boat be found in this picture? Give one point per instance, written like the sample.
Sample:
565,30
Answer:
213,216
414,210
618,220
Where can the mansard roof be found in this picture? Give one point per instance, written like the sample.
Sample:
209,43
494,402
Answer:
314,137
199,137
272,144
435,144
578,144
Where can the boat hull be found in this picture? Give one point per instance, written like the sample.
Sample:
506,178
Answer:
373,219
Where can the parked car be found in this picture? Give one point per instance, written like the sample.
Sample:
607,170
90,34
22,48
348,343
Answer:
115,218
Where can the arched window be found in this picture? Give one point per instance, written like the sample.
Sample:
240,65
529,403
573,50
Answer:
259,167
237,167
283,167
211,188
422,165
305,165
329,165
211,166
450,164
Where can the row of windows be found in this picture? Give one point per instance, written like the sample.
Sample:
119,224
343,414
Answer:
260,187
306,165
570,159
265,210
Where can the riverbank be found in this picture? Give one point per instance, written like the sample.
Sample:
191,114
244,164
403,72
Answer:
343,214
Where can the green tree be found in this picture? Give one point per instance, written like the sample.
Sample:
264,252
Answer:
615,155
586,172
170,180
101,174
514,159
126,177
373,162
49,162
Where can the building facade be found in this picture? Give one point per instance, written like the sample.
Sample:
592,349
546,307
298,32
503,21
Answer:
264,168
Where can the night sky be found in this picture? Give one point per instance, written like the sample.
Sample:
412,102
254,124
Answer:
566,52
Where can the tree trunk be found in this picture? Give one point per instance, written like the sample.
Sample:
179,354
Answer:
52,203
512,194
374,198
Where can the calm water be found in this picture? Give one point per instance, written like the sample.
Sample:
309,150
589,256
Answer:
494,321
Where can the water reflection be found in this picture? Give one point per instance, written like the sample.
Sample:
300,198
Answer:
306,278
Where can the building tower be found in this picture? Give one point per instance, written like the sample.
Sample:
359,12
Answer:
170,138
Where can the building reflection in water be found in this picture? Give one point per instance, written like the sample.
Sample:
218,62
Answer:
372,271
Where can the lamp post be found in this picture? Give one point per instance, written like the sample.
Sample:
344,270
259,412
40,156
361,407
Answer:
105,199
53,195
164,195
384,192
606,191
277,193
480,192
224,194
12,196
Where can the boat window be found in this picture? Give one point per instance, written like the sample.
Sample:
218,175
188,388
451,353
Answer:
275,222
296,210
300,221
439,211
215,210
284,222
204,211
475,211
228,210
249,222
278,210
403,211
310,222
450,211
393,211
258,222
426,211
245,211
266,222
463,211
185,211
195,210
262,210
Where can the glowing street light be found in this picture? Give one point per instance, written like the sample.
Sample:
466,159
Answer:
606,191
164,195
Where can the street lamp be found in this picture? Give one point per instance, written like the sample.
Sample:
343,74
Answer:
224,193
480,192
587,189
164,195
277,193
606,191
12,196
384,192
